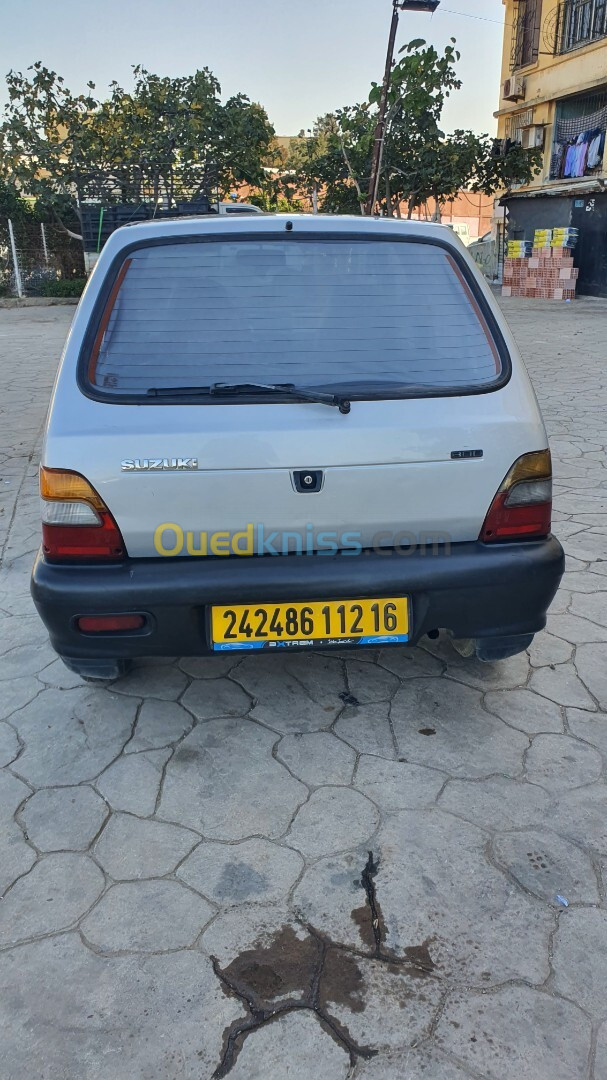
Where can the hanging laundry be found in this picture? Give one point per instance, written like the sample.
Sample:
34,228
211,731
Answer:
596,150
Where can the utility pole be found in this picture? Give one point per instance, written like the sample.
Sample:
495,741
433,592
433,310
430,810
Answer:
378,138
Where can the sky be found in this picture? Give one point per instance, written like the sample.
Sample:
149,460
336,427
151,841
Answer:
298,60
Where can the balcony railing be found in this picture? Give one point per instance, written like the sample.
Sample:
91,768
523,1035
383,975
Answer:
579,22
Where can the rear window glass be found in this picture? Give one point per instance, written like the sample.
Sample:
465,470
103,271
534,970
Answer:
362,316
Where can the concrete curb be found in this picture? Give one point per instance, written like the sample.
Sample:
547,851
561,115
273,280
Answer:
39,301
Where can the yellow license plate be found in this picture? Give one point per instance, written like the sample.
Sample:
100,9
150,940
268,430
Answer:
320,623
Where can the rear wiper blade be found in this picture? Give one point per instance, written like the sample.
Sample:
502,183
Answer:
288,389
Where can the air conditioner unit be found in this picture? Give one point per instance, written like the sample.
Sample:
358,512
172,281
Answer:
532,137
514,88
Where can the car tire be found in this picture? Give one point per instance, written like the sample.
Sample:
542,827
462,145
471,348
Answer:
98,670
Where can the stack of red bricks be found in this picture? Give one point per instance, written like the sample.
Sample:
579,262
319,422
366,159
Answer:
548,274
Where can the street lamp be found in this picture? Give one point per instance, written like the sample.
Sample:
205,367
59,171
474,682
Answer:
378,139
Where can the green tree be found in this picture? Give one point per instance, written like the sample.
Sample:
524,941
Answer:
167,139
419,162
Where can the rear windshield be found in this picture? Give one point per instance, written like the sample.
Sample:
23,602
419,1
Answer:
355,316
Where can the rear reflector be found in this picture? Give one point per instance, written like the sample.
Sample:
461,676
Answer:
102,624
76,524
522,508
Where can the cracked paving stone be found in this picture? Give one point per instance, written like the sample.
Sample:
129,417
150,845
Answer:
334,818
294,1046
17,693
496,803
12,793
367,729
59,676
224,782
591,606
317,758
468,741
472,672
331,897
585,547
212,698
378,1004
397,785
131,783
238,930
159,724
67,1012
561,685
573,629
293,695
546,649
436,886
410,662
581,816
589,726
547,866
591,663
23,630
524,710
146,916
16,856
9,744
580,959
71,735
131,848
556,762
253,871
516,1032
26,659
64,819
369,682
423,1064
55,893
560,602
208,667
584,581
154,681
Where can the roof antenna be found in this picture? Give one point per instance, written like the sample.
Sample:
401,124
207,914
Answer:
289,226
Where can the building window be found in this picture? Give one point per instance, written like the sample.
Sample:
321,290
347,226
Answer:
579,22
515,124
580,124
526,33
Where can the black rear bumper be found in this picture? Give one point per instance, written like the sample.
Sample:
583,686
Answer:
475,590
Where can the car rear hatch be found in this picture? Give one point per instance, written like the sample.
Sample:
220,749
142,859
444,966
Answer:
393,324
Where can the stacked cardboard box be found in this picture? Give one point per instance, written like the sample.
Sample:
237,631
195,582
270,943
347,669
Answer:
548,274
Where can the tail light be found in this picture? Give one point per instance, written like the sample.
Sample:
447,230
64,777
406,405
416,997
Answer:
522,507
109,624
76,524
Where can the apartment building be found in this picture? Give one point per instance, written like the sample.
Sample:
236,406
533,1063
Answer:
553,97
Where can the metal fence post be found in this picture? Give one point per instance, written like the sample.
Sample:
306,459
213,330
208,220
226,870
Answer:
18,281
44,245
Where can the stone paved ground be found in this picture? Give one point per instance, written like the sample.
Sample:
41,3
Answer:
185,854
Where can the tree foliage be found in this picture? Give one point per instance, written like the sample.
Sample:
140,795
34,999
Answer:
419,161
167,139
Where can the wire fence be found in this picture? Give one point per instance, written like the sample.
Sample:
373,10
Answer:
37,258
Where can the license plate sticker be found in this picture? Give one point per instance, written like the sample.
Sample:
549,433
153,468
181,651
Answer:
304,624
